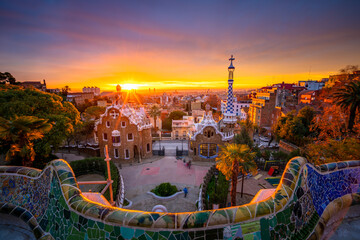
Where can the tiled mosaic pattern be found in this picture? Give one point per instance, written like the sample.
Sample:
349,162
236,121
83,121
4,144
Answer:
292,212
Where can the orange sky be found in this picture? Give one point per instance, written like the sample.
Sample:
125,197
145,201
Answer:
177,45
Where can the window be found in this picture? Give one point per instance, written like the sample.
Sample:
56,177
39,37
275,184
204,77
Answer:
123,124
195,151
107,124
116,139
148,147
203,149
130,137
116,153
208,150
105,137
127,154
212,150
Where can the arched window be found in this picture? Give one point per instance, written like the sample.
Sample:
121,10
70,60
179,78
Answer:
115,138
208,150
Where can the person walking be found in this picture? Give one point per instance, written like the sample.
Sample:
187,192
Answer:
185,191
189,164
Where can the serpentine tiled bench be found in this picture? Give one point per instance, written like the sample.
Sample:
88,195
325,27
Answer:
52,204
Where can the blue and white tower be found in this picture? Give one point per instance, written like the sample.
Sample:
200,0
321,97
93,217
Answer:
230,115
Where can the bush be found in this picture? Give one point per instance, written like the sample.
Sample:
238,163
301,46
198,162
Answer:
165,190
98,165
222,189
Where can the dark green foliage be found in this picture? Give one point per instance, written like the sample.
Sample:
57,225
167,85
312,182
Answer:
164,190
348,98
97,165
244,138
222,189
7,77
175,115
295,128
17,101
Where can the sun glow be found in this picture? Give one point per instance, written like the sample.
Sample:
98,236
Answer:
129,86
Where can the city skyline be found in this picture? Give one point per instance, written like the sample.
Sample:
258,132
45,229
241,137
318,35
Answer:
183,45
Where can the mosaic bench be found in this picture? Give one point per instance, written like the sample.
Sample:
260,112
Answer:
50,202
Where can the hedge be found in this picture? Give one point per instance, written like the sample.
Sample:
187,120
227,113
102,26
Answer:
165,190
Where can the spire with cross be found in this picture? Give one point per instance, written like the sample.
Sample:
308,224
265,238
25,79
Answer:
230,111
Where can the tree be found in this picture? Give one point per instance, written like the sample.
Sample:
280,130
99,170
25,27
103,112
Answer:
232,159
154,113
65,91
349,69
243,137
21,132
348,98
17,101
94,112
331,124
7,77
175,115
295,128
333,151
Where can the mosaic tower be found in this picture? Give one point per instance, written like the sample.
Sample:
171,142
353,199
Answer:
230,115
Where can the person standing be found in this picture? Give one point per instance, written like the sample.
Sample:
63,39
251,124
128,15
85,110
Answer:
185,191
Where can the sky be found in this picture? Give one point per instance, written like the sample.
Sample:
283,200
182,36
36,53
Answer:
176,44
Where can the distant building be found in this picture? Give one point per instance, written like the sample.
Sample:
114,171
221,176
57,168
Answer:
53,90
127,133
38,85
261,111
94,90
181,128
195,105
307,96
79,98
311,84
347,77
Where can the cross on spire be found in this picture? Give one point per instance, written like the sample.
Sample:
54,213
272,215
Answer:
231,59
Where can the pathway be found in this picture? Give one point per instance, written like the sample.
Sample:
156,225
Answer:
141,178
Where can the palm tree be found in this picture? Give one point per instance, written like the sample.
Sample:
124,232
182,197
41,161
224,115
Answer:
232,159
348,98
20,132
154,112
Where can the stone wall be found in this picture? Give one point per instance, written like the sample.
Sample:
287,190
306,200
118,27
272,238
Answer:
287,147
52,204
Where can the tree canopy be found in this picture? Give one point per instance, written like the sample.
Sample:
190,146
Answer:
232,159
295,128
20,133
17,101
6,77
175,115
348,98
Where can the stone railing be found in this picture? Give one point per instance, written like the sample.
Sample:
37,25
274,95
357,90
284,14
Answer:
51,203
119,201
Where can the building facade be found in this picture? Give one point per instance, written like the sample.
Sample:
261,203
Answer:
311,84
94,90
261,111
181,128
127,133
